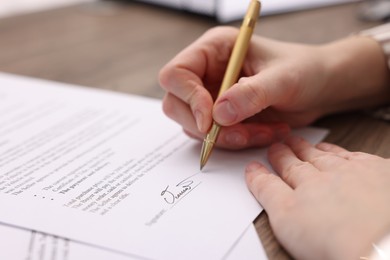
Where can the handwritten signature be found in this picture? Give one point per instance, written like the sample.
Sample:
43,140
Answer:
172,194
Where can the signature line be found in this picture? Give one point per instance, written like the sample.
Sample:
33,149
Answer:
186,194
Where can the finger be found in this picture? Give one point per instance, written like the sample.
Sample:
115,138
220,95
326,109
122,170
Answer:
291,169
185,86
192,135
327,147
246,135
332,148
241,136
344,153
269,190
308,153
177,110
197,71
206,59
250,96
295,119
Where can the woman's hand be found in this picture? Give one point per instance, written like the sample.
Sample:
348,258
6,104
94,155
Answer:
282,85
326,202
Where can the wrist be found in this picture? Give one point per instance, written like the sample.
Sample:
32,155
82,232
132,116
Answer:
359,241
357,75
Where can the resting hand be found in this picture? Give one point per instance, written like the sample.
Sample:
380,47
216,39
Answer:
326,203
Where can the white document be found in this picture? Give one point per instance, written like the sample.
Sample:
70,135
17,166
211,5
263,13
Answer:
19,244
111,170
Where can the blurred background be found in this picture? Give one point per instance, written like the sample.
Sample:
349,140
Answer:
14,7
223,10
121,45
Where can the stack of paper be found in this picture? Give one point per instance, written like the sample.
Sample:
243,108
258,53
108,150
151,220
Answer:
108,175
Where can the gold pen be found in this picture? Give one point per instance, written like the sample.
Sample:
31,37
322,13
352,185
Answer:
232,72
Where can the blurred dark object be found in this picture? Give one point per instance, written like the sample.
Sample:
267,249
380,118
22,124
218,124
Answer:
375,10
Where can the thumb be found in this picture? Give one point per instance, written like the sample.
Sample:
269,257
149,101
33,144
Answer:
249,96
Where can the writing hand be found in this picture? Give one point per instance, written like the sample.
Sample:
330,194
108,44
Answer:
282,85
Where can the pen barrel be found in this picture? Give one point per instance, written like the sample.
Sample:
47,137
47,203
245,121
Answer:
232,71
240,47
212,136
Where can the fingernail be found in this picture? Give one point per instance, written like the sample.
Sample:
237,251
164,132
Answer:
276,147
225,112
236,138
199,120
253,166
324,147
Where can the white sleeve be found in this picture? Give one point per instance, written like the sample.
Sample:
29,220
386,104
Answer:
381,250
382,35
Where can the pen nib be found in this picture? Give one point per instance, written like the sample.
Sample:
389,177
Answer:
207,147
208,144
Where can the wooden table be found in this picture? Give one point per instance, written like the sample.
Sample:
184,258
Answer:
123,46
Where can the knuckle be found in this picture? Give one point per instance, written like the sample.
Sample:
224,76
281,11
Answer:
292,169
196,95
357,155
255,95
192,95
292,76
322,159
